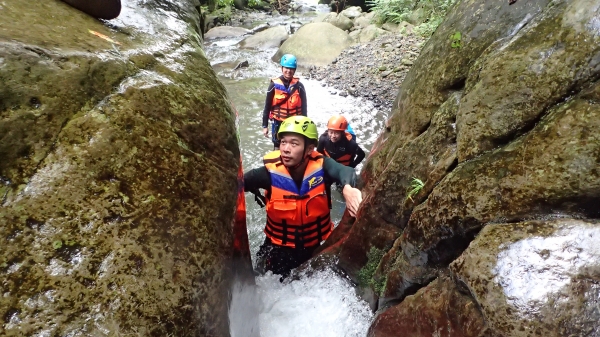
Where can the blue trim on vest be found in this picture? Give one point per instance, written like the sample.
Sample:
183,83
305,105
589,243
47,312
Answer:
282,87
283,183
312,181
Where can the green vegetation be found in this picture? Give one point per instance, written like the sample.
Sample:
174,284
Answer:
255,4
365,275
416,185
456,40
57,244
426,15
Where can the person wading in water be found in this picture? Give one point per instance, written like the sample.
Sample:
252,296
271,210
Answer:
285,97
296,179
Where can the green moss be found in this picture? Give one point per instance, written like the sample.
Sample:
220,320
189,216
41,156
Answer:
57,244
365,275
378,284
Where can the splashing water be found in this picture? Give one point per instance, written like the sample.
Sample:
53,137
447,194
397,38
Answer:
320,303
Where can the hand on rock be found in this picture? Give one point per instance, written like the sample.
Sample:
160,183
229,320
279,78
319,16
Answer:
353,197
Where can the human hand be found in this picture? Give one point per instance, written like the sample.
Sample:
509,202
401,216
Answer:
266,132
353,197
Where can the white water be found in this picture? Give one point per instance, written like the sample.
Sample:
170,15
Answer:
322,303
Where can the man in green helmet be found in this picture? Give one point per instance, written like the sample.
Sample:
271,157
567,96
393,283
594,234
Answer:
295,179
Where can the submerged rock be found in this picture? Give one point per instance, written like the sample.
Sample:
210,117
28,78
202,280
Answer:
118,171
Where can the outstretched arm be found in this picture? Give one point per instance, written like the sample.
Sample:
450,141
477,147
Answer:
257,178
353,197
346,177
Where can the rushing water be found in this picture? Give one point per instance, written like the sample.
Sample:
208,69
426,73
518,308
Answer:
322,304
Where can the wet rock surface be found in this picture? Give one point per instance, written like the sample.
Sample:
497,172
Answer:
535,278
372,70
439,309
500,126
118,174
533,81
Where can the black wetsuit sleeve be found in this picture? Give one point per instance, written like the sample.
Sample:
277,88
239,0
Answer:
322,142
360,155
268,102
257,178
339,173
303,99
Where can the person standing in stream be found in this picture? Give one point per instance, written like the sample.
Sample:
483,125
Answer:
286,97
295,180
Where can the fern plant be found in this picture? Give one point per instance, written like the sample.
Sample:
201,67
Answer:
397,11
416,185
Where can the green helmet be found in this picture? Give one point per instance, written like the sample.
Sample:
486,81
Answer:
299,124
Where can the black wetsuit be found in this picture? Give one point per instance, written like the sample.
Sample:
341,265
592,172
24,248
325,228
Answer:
281,260
340,148
269,104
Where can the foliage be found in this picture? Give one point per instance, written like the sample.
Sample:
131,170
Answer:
255,3
416,185
431,12
365,275
456,40
224,3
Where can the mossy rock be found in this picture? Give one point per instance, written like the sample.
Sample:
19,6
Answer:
119,162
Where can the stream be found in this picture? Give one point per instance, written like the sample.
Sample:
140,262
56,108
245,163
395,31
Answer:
324,303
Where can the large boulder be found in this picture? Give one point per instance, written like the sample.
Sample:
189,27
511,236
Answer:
362,22
500,125
536,277
352,12
225,32
339,20
266,39
370,33
440,309
118,174
315,44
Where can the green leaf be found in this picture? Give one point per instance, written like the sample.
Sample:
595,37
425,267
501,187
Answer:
416,185
456,39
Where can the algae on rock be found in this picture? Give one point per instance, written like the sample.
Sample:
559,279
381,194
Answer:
118,174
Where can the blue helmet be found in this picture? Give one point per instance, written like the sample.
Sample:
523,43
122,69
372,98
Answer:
288,61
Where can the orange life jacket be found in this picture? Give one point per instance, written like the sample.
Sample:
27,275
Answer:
283,106
295,218
345,159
